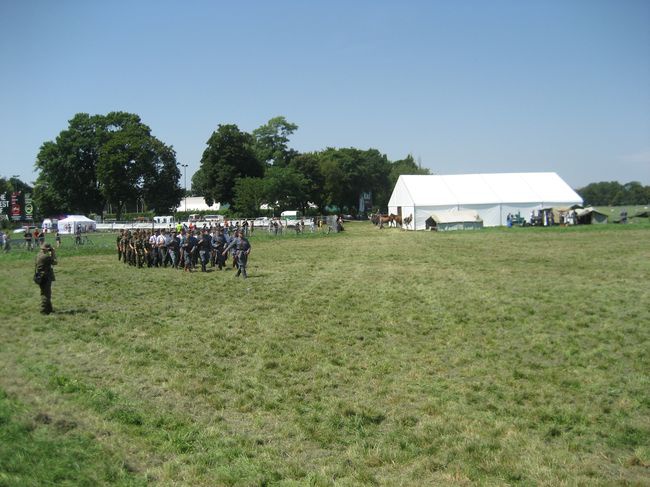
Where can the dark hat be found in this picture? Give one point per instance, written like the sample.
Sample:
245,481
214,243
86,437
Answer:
46,246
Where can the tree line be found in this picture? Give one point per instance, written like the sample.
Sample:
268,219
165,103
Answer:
613,193
114,160
250,169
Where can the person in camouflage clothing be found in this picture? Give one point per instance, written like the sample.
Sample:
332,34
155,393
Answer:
119,246
140,249
45,259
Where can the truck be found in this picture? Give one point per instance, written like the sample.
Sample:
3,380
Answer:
290,217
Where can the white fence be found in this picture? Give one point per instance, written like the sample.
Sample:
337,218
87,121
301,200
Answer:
117,226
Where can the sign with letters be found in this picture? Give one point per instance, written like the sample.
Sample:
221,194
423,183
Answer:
17,207
4,206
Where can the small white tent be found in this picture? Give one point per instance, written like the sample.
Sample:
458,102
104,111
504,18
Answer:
71,223
492,196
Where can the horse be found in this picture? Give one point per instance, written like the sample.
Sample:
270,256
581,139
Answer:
381,220
396,220
408,220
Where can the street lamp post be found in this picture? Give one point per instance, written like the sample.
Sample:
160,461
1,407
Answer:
185,182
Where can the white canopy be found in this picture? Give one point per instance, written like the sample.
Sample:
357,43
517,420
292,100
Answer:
492,196
71,223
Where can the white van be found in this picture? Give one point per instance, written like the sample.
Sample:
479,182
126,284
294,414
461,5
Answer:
290,217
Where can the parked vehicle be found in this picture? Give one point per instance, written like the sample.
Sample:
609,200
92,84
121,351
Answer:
290,217
261,221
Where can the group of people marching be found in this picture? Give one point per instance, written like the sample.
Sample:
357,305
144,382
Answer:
184,249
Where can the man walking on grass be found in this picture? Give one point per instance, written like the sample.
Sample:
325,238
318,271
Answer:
241,248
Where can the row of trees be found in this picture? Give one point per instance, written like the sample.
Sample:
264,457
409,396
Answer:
248,170
114,160
615,194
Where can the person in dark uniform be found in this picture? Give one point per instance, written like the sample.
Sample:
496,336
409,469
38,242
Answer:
28,239
173,247
241,248
44,262
218,242
118,245
189,246
204,246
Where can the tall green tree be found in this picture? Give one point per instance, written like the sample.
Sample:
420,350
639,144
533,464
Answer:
249,195
161,188
67,179
286,188
228,157
404,166
199,184
271,142
124,160
349,172
309,166
105,158
134,164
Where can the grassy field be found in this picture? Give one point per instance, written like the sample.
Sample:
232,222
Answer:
372,357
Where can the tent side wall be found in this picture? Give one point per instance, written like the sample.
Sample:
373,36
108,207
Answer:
524,210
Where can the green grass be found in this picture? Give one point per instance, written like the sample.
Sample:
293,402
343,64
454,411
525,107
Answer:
373,357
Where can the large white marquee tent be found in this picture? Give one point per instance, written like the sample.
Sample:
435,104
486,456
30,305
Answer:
492,196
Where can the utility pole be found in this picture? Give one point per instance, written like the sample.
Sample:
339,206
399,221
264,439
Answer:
185,182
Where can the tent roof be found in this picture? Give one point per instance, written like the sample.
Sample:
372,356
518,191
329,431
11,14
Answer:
589,210
455,216
76,218
459,189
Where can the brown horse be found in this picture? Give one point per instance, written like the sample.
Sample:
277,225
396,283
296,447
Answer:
396,220
381,220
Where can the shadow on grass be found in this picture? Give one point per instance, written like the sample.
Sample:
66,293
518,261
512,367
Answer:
73,311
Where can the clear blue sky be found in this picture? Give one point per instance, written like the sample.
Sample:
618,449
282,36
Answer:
463,85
